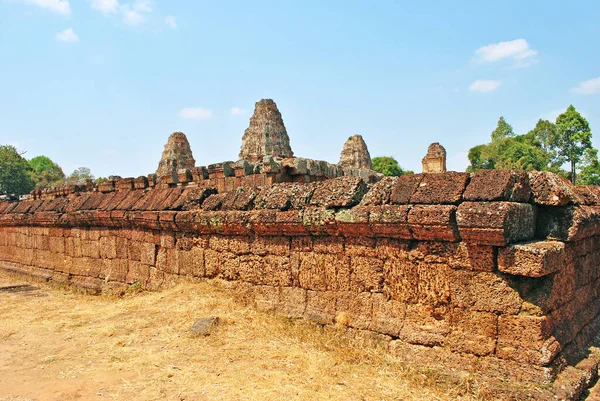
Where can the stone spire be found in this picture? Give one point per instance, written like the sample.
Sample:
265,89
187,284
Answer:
435,159
266,135
177,155
355,154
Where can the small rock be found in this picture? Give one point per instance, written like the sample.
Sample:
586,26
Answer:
203,326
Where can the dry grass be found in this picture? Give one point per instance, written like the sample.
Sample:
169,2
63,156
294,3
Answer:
65,345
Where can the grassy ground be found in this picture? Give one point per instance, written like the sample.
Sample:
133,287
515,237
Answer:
60,345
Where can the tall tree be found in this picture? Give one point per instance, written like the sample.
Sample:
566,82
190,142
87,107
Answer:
573,138
590,173
503,130
45,173
80,176
544,135
388,166
14,177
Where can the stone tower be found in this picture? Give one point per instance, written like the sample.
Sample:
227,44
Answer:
355,154
266,135
435,159
177,155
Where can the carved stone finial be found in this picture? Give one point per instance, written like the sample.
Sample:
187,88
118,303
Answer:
177,155
266,135
435,159
355,154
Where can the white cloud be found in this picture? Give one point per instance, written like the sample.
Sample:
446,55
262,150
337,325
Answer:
236,111
68,35
589,87
195,113
133,14
57,6
143,6
484,86
171,21
106,6
518,50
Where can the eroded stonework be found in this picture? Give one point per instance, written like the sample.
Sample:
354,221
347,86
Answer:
266,135
355,154
177,155
435,159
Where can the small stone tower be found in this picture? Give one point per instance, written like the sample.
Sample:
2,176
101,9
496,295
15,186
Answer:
266,135
355,154
435,159
177,155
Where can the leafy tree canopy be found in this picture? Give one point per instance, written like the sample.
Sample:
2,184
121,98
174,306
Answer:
14,177
45,173
572,139
388,166
503,130
80,176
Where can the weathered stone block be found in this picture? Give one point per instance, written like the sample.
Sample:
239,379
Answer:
425,325
472,332
474,257
404,188
569,223
499,185
433,222
367,274
380,193
483,291
354,222
526,339
496,223
550,189
534,259
339,192
441,188
390,221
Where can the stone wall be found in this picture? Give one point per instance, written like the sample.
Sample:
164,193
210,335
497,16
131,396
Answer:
499,266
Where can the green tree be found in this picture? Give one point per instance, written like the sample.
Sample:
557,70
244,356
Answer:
573,138
503,130
14,177
45,173
80,176
480,157
590,173
519,153
388,166
544,135
507,151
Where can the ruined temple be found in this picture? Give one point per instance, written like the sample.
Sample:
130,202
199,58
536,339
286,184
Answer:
266,135
355,154
435,159
176,155
496,272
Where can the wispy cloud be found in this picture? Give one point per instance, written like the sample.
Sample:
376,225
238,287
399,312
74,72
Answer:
236,111
135,14
589,87
195,113
57,6
106,6
68,35
171,21
518,50
132,13
484,86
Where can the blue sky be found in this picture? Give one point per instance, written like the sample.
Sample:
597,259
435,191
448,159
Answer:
102,83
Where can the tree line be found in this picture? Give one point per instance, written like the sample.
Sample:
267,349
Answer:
19,176
563,147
